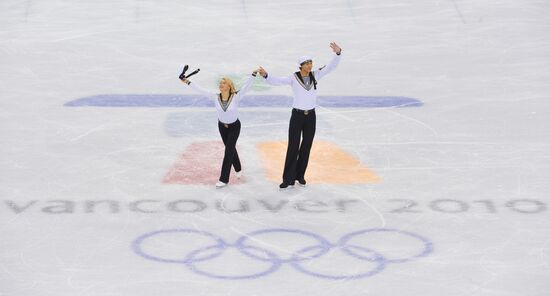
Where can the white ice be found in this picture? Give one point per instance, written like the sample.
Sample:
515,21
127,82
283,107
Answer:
468,171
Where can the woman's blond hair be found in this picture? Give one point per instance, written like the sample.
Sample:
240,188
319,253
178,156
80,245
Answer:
231,85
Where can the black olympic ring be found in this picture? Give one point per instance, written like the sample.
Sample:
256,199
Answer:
274,261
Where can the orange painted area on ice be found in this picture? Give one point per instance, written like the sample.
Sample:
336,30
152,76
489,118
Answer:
328,164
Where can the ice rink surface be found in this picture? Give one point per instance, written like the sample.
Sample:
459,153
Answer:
428,176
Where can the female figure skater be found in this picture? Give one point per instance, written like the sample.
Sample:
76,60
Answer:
227,105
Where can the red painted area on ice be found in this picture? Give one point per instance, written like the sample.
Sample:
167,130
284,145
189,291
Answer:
200,164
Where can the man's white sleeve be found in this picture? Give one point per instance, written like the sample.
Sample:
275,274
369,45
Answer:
327,69
272,80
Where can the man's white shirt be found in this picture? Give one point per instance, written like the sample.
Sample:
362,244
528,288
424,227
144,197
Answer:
304,99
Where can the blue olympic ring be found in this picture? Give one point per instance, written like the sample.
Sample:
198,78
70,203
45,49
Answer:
296,258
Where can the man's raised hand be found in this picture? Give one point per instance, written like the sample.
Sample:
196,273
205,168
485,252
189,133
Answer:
335,48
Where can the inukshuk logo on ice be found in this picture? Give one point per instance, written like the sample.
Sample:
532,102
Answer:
355,255
330,164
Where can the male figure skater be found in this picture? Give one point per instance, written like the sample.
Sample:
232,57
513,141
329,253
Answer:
303,119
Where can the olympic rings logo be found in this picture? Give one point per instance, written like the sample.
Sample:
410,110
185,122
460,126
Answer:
253,255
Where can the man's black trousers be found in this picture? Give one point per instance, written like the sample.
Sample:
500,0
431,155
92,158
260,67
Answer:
301,127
